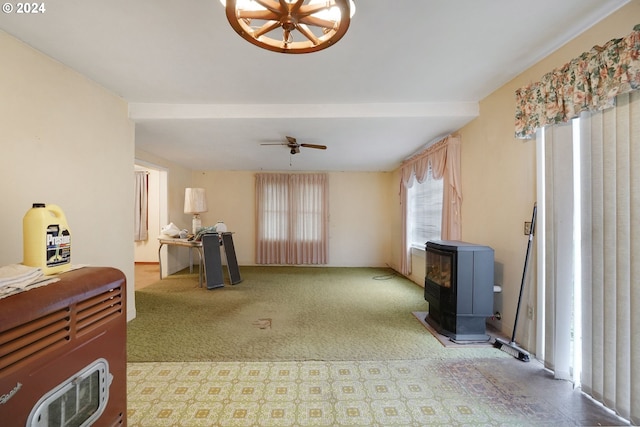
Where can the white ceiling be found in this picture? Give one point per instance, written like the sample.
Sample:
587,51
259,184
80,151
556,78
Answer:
406,73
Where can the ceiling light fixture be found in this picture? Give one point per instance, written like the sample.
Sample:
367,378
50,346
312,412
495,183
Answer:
290,26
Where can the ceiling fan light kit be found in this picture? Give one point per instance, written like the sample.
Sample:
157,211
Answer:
290,26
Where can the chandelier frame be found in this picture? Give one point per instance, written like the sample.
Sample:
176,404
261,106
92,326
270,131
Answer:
296,19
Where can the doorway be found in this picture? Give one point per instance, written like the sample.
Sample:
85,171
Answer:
146,252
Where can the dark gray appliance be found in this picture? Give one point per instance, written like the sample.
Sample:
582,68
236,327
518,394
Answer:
459,288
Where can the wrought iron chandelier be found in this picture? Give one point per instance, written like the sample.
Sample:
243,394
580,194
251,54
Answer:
290,26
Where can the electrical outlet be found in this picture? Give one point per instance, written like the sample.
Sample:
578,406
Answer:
527,228
530,312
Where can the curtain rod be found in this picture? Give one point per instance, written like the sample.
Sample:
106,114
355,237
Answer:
429,144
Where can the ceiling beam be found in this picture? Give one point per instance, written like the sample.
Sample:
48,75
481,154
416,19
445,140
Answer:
145,111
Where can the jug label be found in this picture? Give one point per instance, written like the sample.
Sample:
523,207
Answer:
58,246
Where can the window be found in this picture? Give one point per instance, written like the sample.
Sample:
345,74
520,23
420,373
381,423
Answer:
425,211
292,217
274,211
442,161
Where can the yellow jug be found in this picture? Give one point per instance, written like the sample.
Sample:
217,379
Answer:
46,239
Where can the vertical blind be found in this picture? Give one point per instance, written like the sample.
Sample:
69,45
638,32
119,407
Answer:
608,255
611,250
556,241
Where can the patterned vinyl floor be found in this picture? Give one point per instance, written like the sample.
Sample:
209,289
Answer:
461,392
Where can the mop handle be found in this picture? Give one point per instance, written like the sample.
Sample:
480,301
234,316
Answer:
524,271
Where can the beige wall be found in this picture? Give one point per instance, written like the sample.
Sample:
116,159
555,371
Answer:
360,233
54,124
498,174
360,210
230,199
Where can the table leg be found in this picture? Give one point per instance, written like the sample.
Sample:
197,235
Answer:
201,266
160,259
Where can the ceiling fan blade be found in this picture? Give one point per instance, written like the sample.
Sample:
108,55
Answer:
319,147
294,147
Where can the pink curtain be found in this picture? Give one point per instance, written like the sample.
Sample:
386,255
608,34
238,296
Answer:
141,208
444,157
292,212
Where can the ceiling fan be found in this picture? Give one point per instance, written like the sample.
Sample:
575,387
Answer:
295,147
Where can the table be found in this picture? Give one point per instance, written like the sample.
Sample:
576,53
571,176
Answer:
210,261
191,244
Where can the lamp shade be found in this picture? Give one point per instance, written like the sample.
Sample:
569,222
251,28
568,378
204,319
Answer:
195,201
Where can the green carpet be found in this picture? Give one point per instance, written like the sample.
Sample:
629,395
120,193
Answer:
280,314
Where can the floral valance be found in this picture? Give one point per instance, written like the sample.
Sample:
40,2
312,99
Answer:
588,83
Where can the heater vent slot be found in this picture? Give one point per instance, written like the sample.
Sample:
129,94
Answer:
98,310
31,339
